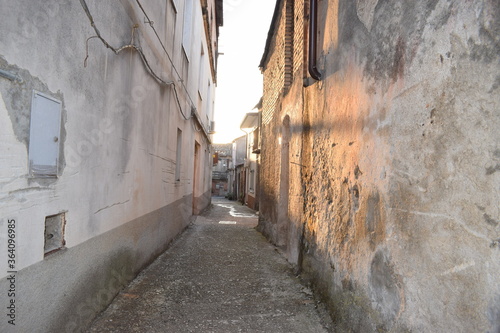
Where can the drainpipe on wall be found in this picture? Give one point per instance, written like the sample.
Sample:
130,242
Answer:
313,40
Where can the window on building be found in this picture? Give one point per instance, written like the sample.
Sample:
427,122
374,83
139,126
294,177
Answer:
255,141
201,78
251,181
187,27
208,108
171,25
178,156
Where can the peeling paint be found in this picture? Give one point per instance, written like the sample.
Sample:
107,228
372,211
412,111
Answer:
18,96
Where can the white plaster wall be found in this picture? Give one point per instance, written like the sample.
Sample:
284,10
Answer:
120,125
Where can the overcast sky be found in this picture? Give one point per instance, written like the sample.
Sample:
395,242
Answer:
239,81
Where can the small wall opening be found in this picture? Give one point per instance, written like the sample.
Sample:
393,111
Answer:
54,233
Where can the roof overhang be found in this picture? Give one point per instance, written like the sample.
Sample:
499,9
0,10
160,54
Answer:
251,120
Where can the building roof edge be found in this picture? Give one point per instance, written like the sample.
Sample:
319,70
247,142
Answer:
270,34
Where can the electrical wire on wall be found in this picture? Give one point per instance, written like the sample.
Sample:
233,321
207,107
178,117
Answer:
165,50
139,50
194,110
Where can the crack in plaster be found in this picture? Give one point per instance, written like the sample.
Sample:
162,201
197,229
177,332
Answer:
115,204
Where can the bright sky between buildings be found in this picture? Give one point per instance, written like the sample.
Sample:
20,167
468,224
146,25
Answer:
239,81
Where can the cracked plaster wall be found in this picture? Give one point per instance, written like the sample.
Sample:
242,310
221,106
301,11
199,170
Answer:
117,151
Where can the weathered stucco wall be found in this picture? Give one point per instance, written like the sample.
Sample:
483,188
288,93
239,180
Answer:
117,181
399,154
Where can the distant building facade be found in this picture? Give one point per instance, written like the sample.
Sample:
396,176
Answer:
239,165
250,125
105,114
222,169
380,158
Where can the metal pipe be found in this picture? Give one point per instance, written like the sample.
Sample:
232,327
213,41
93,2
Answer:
9,76
313,40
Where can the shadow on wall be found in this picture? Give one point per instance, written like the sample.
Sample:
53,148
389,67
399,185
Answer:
369,29
284,186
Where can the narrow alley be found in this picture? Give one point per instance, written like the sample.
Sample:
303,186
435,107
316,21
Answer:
356,144
220,275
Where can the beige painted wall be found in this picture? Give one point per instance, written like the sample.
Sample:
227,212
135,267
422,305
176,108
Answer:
391,202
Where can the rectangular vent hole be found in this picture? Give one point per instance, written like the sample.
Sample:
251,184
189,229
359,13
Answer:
54,232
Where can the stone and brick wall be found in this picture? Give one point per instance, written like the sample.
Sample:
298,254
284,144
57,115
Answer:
283,73
380,182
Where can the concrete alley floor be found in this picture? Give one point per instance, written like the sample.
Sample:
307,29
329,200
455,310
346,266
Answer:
220,275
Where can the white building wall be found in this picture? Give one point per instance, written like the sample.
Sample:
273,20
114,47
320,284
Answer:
118,144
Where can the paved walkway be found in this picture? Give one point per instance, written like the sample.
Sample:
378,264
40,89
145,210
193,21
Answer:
220,276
